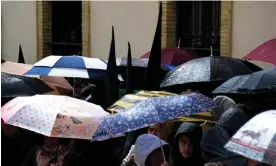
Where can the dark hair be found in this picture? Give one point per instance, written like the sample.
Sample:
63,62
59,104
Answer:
246,109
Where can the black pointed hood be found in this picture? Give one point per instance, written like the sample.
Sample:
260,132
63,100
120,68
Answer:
153,74
129,86
112,84
20,56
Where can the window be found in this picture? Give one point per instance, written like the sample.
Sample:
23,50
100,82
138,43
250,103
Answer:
198,26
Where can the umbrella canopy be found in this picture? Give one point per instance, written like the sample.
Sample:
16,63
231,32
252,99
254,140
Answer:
69,66
15,85
173,56
266,52
262,81
54,116
131,99
206,70
256,140
58,83
152,111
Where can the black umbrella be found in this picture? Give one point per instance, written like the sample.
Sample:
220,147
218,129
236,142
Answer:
259,82
206,70
15,85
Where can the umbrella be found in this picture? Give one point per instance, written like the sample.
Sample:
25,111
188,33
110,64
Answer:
173,56
262,81
131,99
215,69
69,66
266,52
152,111
14,85
256,140
58,83
54,116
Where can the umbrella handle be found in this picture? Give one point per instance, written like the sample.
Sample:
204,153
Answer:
163,154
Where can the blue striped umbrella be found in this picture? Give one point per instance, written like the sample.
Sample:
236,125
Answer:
69,66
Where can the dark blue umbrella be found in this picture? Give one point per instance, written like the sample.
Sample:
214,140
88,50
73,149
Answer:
258,82
152,111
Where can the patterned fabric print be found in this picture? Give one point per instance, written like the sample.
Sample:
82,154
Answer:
152,111
33,119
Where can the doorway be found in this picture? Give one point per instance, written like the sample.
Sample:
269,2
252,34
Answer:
66,27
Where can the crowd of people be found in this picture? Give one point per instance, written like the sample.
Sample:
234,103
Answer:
166,144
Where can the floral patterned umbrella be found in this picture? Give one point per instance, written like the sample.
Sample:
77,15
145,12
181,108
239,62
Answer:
152,111
54,116
256,140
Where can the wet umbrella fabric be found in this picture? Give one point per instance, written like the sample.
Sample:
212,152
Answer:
15,85
173,56
152,111
206,69
69,66
266,52
258,82
55,116
256,140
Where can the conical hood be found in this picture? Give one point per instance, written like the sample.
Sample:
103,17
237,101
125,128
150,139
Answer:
112,84
129,86
153,74
20,56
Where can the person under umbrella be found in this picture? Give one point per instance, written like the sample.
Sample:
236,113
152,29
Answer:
212,145
232,119
186,147
148,151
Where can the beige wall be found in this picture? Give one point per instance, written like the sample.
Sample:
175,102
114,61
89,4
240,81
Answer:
18,27
133,21
253,24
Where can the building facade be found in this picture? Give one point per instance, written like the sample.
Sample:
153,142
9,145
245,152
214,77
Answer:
242,27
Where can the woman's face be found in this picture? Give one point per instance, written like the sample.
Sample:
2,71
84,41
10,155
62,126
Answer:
185,146
153,130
